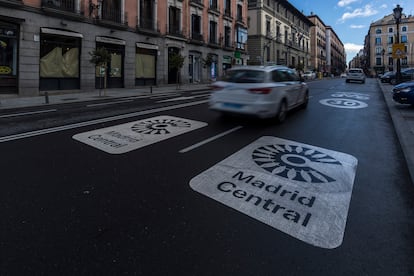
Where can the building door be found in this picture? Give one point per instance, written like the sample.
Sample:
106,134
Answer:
115,67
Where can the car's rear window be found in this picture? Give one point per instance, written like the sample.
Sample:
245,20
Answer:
244,76
355,71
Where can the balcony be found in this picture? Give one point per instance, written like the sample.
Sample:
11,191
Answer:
63,5
175,31
148,26
197,3
112,17
197,38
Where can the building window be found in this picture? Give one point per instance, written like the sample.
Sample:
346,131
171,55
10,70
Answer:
378,50
227,37
174,21
404,29
390,30
8,57
213,32
378,61
196,27
390,40
378,41
268,28
227,7
213,4
378,31
404,61
390,61
239,13
404,39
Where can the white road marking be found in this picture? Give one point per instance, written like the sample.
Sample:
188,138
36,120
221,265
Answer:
93,122
299,189
177,99
109,103
199,144
134,135
28,113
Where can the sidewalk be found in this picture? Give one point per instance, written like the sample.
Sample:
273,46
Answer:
402,115
403,119
11,101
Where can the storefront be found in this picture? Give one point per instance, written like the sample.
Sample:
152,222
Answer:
146,64
9,34
115,67
59,59
194,67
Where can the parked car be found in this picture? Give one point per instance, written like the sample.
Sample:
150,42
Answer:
343,75
404,93
309,75
386,77
406,75
260,91
355,74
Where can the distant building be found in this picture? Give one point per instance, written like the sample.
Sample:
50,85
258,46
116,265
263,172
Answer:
278,34
382,35
327,50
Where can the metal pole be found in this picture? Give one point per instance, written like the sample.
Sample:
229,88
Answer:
398,59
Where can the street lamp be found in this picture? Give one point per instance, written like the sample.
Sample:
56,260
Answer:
397,16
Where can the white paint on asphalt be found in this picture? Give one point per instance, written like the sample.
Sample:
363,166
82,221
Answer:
343,103
134,135
28,113
177,99
93,122
199,144
299,189
109,103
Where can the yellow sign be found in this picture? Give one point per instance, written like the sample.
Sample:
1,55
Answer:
398,50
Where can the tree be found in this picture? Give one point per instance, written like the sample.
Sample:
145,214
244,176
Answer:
176,62
101,57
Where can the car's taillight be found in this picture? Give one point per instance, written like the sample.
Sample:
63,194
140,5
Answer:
216,87
263,90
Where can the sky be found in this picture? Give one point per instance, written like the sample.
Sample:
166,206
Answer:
350,19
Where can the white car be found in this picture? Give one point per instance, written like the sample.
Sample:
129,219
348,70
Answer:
309,75
260,91
355,74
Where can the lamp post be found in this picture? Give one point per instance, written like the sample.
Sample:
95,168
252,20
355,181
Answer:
383,60
397,16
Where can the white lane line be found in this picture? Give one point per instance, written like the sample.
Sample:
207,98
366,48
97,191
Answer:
28,113
93,122
110,103
209,140
155,97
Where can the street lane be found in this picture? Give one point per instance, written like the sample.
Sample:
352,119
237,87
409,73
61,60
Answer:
69,208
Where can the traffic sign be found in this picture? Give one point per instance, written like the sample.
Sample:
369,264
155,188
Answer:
398,50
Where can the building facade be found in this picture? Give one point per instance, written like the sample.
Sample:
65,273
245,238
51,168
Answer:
327,50
278,34
382,35
46,45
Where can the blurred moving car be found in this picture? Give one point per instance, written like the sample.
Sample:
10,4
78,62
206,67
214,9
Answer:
343,75
260,91
355,74
309,75
404,93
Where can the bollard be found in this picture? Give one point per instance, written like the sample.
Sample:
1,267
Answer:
47,97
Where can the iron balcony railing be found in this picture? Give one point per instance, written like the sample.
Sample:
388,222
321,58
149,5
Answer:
64,5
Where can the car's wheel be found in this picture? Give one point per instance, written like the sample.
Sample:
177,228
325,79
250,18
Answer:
282,113
393,81
346,81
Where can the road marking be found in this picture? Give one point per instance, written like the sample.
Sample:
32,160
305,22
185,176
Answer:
343,103
134,135
199,144
109,103
28,113
299,189
177,99
158,96
97,121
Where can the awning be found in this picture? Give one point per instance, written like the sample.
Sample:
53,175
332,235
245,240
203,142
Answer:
60,32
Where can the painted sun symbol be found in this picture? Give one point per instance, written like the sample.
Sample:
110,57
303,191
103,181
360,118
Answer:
293,162
158,126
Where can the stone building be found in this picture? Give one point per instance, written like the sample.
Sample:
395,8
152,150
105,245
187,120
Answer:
278,34
45,45
379,45
327,50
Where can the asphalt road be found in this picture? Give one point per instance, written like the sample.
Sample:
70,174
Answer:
72,203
